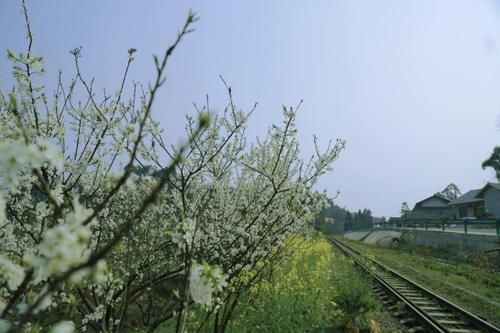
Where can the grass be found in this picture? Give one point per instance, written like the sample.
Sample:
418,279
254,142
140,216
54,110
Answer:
296,297
316,290
354,287
474,287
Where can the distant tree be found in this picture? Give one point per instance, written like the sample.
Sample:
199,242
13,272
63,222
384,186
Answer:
362,219
358,220
367,218
450,192
348,221
383,220
404,209
493,162
332,211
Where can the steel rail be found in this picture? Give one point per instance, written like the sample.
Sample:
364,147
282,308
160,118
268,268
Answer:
475,319
421,315
429,323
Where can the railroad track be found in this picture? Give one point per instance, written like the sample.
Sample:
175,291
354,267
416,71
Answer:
418,308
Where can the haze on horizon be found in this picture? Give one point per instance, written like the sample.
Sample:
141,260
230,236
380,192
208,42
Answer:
413,87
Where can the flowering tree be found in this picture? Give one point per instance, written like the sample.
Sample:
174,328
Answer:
96,228
58,180
450,192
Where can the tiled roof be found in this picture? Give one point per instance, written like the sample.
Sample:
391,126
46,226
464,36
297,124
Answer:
468,197
438,196
485,187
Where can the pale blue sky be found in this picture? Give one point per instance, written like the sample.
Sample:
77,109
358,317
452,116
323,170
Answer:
413,86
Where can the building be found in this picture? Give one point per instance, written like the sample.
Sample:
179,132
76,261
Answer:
433,207
490,193
468,205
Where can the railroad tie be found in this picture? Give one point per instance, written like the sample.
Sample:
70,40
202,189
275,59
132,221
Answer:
463,330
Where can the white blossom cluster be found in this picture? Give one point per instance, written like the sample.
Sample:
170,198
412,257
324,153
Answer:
204,281
17,157
64,246
64,327
11,273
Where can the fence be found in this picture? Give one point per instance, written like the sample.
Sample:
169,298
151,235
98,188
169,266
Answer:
451,225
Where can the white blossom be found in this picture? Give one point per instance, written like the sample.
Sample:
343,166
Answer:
63,246
4,325
64,327
204,280
42,210
11,272
94,316
50,153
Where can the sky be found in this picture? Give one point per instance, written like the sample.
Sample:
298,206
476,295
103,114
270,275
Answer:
412,86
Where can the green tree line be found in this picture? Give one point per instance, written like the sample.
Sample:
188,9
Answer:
334,214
